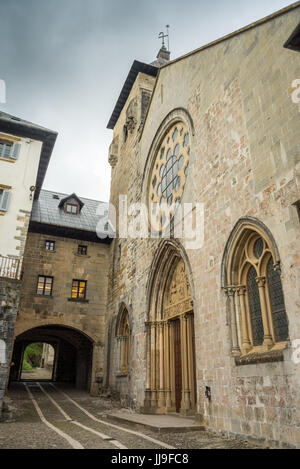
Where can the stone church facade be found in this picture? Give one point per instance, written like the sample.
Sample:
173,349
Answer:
211,330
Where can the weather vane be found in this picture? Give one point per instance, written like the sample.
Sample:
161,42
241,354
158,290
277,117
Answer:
162,36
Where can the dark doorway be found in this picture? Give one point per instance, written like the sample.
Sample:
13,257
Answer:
178,367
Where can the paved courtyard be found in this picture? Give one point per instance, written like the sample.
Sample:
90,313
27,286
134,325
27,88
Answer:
56,417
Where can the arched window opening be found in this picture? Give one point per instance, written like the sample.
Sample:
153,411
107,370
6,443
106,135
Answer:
257,311
124,342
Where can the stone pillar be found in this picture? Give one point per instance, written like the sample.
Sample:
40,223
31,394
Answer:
235,350
161,394
153,365
268,341
172,364
191,364
186,392
167,367
246,344
97,371
148,367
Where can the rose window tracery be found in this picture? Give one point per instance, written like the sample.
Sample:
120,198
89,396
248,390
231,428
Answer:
169,175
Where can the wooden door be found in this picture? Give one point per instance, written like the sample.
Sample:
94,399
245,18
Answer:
178,368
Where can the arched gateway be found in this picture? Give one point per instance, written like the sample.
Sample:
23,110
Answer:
171,380
73,353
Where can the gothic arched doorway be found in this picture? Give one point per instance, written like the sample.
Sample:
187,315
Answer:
171,376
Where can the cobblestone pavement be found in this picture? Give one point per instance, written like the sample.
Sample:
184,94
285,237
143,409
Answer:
52,421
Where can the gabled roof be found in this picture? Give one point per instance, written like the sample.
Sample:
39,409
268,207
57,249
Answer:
136,68
72,196
48,217
14,125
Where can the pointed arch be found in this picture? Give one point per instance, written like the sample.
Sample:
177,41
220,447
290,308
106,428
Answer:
123,334
236,240
168,254
250,275
171,364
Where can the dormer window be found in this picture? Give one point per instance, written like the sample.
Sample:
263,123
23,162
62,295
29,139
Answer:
72,208
71,204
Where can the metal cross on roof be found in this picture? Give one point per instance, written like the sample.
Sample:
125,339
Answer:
162,36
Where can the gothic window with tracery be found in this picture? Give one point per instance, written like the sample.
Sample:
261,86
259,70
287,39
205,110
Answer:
169,175
258,314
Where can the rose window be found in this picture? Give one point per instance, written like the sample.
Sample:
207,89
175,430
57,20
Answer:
169,175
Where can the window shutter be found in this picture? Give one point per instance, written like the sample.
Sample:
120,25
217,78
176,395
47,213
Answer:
15,151
4,199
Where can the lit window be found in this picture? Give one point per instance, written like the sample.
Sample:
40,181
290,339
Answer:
71,208
45,285
79,289
82,250
50,245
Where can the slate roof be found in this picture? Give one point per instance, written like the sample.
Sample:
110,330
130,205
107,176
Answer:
46,211
21,128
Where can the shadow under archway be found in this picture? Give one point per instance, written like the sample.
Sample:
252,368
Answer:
73,352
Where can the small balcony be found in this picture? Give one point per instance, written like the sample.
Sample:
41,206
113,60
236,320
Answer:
10,268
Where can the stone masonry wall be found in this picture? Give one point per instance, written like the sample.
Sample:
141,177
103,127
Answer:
65,264
9,303
245,155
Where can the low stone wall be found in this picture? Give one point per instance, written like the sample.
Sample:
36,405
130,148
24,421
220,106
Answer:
9,304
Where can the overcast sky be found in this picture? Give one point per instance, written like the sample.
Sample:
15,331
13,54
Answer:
65,61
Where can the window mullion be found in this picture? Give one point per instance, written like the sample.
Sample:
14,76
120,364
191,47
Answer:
268,340
246,344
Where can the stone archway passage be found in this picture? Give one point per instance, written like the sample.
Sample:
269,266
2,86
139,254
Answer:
73,354
171,346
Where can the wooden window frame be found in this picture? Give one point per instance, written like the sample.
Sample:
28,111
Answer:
77,297
14,150
68,204
82,250
49,242
45,278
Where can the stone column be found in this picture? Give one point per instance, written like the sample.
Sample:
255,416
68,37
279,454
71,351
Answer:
167,366
268,341
186,392
246,344
235,350
119,356
191,364
148,365
161,397
172,363
153,365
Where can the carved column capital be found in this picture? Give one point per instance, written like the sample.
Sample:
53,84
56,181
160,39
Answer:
241,290
277,267
261,281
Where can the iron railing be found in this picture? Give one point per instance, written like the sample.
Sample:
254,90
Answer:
9,268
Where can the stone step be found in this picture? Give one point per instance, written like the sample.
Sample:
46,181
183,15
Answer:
157,423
